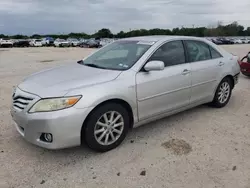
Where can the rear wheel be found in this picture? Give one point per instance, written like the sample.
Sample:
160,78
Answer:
223,93
106,127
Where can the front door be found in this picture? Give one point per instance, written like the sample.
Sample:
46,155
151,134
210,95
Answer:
168,89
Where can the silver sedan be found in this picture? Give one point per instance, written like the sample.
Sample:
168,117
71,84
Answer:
125,84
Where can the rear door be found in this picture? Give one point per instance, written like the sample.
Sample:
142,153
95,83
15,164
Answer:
206,67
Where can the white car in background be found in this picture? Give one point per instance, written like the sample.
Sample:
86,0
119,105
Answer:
47,41
237,41
61,43
104,42
36,43
73,41
6,43
245,41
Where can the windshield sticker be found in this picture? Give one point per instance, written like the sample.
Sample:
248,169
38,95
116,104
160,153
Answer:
146,42
122,65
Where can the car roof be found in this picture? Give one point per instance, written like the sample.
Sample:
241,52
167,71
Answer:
156,38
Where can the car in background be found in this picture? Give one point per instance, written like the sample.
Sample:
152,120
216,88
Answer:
61,43
231,40
245,65
36,43
48,41
83,43
226,41
106,41
103,43
6,43
123,85
91,43
245,41
73,42
94,44
237,41
21,43
216,41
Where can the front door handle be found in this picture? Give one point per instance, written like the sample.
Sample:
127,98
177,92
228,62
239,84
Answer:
185,71
221,63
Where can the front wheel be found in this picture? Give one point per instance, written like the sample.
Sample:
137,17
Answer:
106,127
223,93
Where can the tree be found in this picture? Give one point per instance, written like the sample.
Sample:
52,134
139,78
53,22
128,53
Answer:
233,29
104,33
248,31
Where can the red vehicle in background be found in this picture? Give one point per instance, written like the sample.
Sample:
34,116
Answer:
245,65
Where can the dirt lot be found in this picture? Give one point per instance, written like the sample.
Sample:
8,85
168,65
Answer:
203,147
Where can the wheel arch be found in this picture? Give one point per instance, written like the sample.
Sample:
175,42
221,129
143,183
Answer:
231,79
226,76
122,102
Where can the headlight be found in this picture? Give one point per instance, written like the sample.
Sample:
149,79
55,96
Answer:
52,104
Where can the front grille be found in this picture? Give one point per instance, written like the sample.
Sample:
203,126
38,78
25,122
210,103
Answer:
20,102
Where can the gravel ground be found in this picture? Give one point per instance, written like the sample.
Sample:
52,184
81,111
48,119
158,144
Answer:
203,147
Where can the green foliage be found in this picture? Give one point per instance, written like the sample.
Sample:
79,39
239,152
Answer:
103,33
233,29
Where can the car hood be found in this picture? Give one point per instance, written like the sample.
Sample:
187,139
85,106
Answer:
60,80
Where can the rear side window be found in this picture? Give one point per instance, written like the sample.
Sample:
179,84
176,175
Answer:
171,53
197,51
214,53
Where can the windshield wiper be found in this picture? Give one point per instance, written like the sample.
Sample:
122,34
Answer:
80,62
94,65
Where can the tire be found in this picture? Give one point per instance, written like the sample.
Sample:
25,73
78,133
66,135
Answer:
114,138
222,96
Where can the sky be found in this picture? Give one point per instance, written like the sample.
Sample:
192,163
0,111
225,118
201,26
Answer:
65,16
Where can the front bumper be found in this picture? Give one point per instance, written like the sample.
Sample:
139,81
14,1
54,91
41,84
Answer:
245,73
6,45
64,125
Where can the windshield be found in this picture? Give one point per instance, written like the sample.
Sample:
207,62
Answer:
120,55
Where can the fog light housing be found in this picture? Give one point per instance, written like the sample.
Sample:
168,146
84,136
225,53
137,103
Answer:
46,137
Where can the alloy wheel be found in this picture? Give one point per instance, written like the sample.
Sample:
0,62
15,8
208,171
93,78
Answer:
109,128
224,92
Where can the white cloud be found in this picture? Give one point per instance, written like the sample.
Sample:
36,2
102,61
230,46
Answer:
53,16
17,7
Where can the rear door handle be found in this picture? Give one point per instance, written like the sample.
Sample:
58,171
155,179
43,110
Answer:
221,63
185,71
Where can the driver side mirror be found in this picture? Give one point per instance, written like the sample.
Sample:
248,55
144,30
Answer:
154,66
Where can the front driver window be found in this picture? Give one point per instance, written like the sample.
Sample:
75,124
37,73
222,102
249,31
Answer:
171,53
